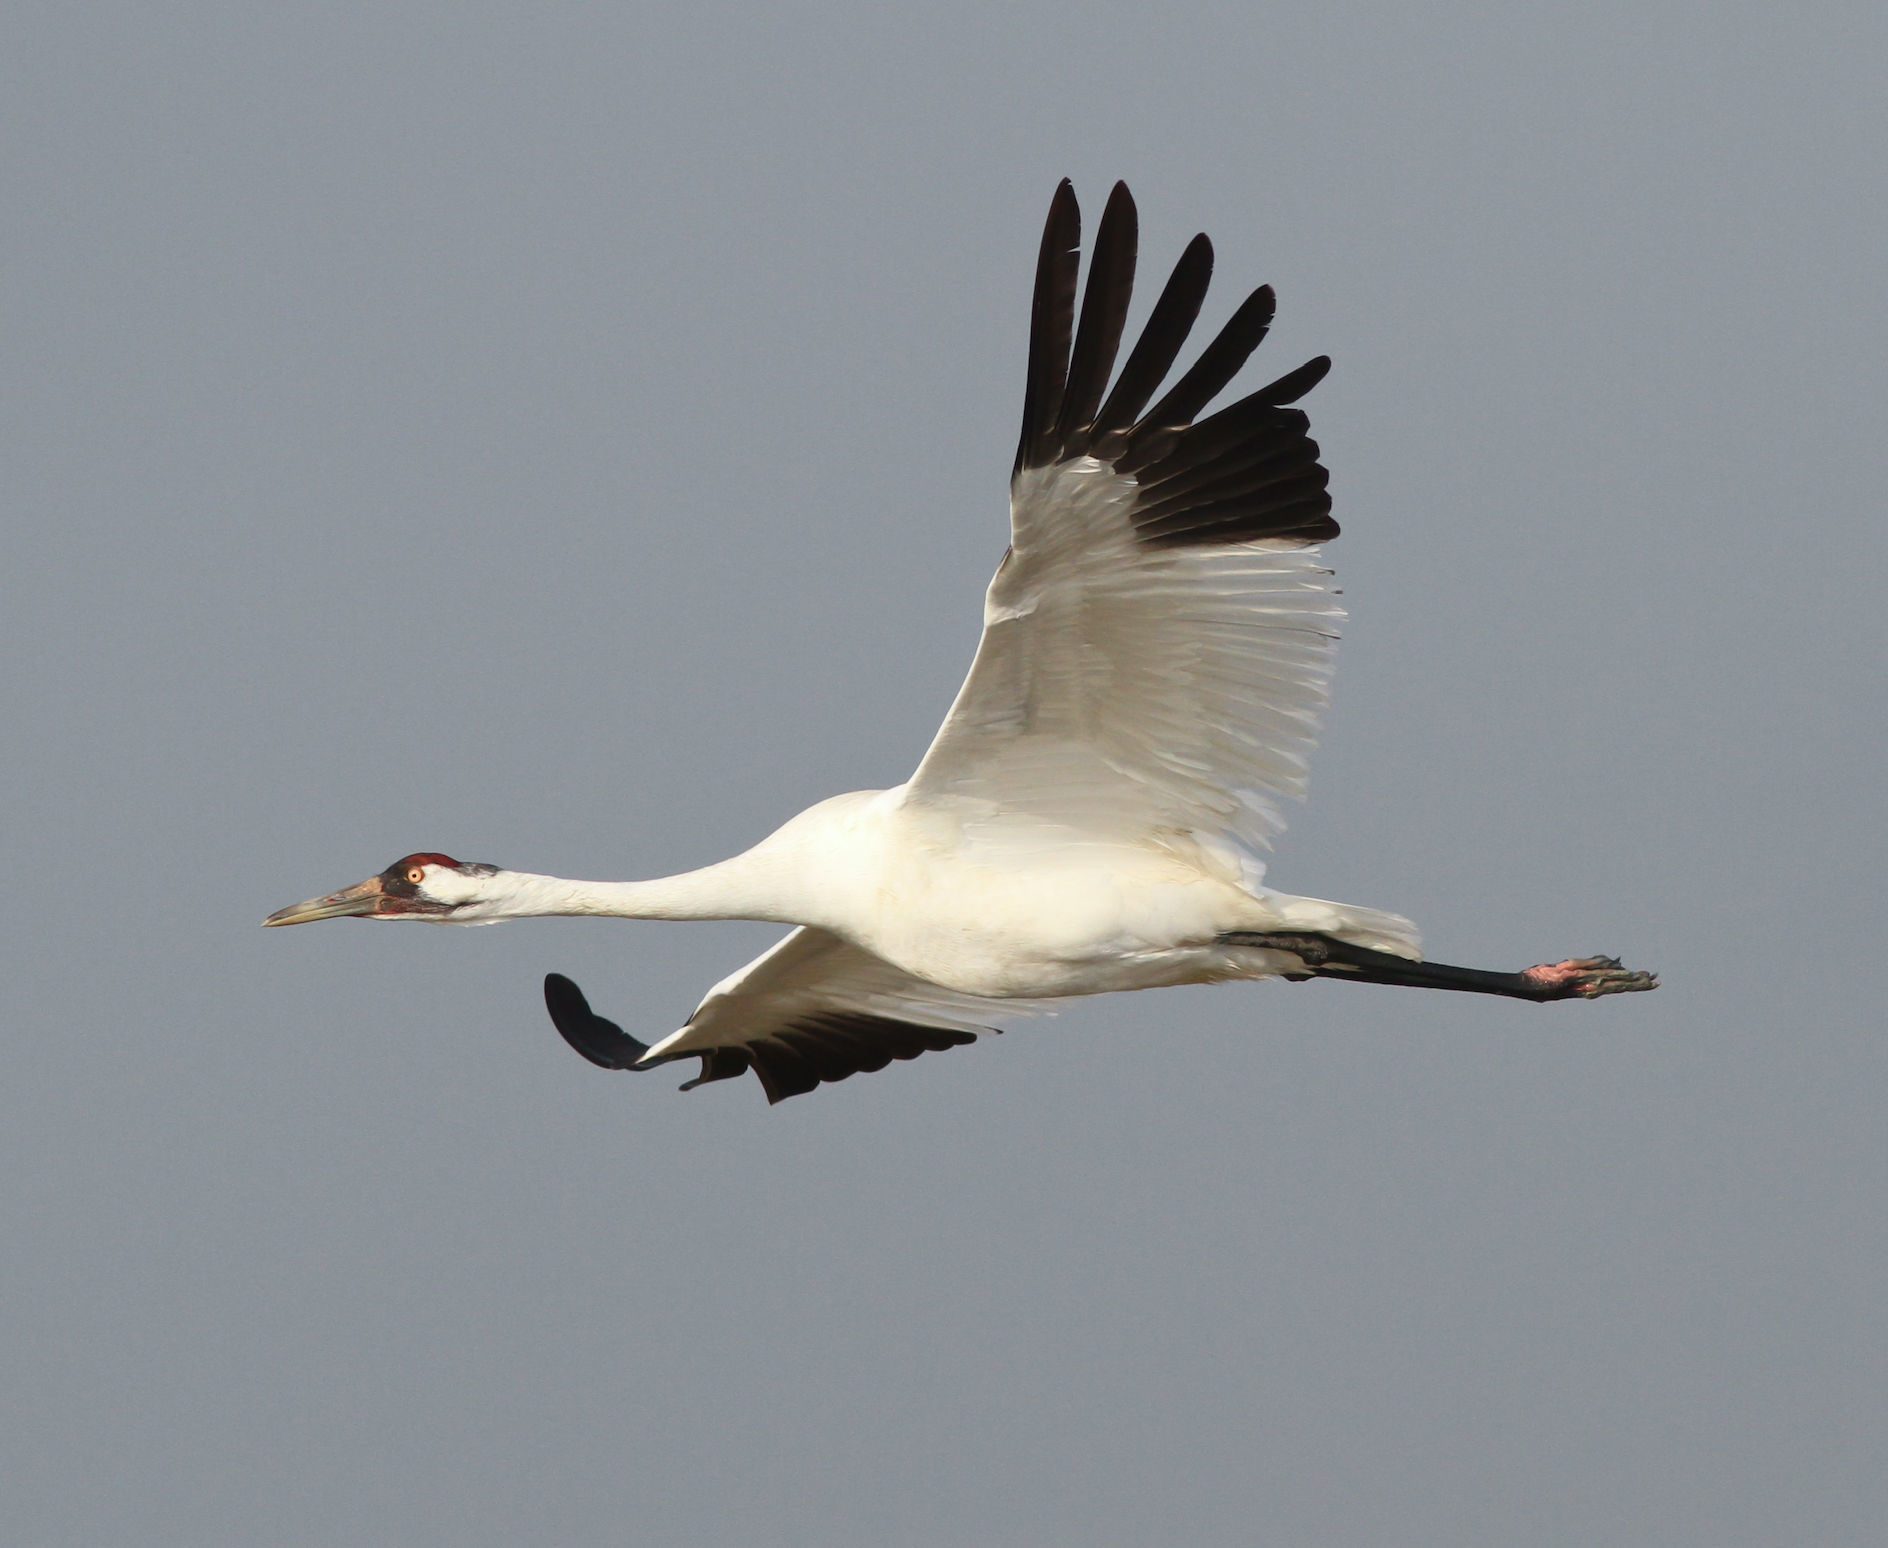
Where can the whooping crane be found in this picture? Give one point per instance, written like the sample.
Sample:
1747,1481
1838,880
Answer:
1157,646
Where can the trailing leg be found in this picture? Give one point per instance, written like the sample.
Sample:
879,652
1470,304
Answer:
1577,978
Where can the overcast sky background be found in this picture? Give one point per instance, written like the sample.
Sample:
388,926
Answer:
575,437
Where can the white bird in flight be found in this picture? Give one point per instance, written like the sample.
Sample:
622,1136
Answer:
1157,646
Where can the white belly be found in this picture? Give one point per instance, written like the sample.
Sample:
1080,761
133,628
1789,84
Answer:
1013,910
1099,918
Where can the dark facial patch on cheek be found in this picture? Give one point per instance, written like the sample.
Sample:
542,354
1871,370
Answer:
410,902
393,883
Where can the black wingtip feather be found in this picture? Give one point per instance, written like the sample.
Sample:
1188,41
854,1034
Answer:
1293,385
1104,315
1248,473
1161,340
718,1064
788,1062
1218,364
1051,322
837,1045
602,1042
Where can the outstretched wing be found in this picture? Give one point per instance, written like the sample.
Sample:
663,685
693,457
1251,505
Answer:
1157,643
812,1008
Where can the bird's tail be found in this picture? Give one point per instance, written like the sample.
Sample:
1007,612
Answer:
1375,928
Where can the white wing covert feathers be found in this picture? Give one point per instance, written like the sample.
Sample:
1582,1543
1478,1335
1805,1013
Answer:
813,1008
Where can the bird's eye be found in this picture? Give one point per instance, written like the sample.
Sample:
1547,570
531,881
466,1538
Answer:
415,874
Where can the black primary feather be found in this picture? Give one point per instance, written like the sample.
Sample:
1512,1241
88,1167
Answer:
1162,338
602,1042
832,1046
1248,473
790,1061
1051,321
1104,315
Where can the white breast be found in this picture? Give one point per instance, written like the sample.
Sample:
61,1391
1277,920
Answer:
1031,911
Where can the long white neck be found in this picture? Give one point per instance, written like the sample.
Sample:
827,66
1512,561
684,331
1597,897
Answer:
817,869
746,887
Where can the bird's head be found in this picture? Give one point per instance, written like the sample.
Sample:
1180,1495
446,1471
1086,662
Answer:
436,888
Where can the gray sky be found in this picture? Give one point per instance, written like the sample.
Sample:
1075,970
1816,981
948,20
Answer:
575,437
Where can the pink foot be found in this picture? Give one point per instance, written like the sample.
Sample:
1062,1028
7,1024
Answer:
1587,978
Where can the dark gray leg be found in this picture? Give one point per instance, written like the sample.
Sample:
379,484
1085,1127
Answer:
1577,978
